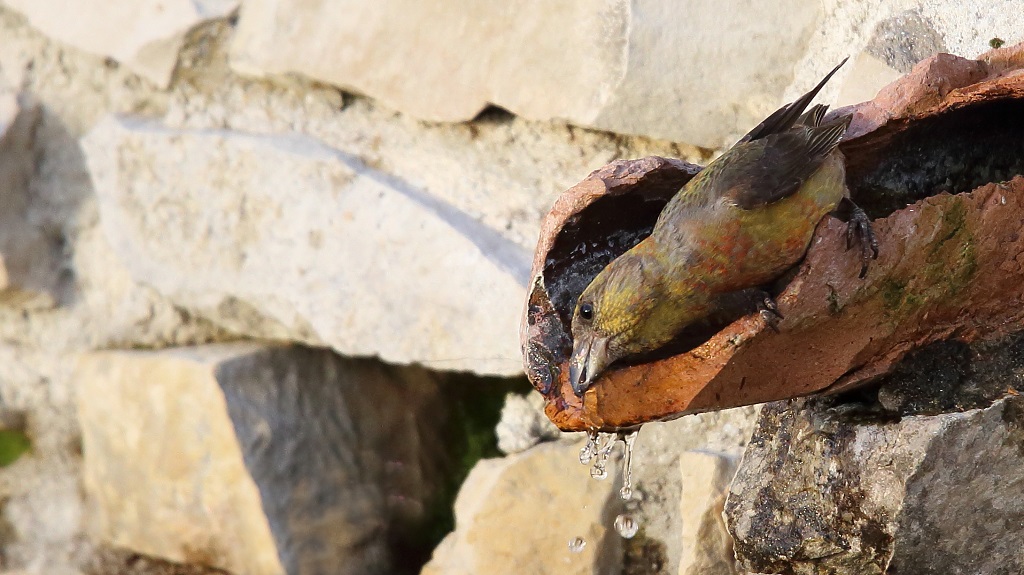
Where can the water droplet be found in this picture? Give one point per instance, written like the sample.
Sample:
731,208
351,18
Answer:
626,525
589,450
587,453
577,544
628,439
603,448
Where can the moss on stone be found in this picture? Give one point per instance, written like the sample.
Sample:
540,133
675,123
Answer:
13,444
474,404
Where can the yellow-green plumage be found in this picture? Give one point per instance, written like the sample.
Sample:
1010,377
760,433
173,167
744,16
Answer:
738,224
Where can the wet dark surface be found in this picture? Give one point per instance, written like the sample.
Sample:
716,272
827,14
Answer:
944,377
953,152
603,231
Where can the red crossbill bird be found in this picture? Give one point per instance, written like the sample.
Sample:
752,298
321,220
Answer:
738,224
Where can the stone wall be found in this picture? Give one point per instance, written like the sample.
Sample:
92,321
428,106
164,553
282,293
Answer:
262,264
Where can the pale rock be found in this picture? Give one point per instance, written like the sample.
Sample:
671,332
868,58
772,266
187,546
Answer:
867,76
518,514
898,33
817,492
652,67
297,240
523,423
689,72
661,449
28,265
904,39
896,44
255,459
706,544
144,35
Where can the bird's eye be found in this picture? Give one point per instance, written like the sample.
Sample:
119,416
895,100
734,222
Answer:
587,311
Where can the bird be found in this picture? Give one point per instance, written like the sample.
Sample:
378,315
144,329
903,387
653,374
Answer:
736,226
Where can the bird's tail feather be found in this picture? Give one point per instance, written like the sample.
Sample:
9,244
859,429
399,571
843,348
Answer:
826,137
785,117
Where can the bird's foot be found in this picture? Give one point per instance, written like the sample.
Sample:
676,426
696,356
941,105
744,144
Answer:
859,229
767,309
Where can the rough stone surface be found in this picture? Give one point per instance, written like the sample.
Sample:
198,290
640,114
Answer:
661,451
707,545
502,170
903,40
867,75
818,492
504,502
254,459
144,36
523,424
611,64
302,241
28,263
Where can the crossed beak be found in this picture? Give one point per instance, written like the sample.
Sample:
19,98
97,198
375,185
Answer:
589,358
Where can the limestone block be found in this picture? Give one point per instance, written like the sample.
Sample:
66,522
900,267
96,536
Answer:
691,72
710,443
28,265
653,67
280,236
523,423
867,76
820,493
254,459
897,43
144,35
517,515
706,544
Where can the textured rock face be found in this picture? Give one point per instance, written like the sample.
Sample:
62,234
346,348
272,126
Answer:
612,64
303,242
707,546
681,472
255,459
650,67
684,462
28,267
523,424
518,514
818,493
144,36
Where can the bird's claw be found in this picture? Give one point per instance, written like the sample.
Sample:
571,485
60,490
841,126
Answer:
769,311
859,229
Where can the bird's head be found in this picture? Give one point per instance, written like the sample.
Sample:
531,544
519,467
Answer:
611,319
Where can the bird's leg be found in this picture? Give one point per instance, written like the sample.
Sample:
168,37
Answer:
859,229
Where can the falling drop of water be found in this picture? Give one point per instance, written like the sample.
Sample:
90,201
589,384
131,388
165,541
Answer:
602,449
587,453
626,525
589,450
628,439
577,544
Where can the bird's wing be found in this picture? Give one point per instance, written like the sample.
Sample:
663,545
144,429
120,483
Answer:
787,116
784,163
